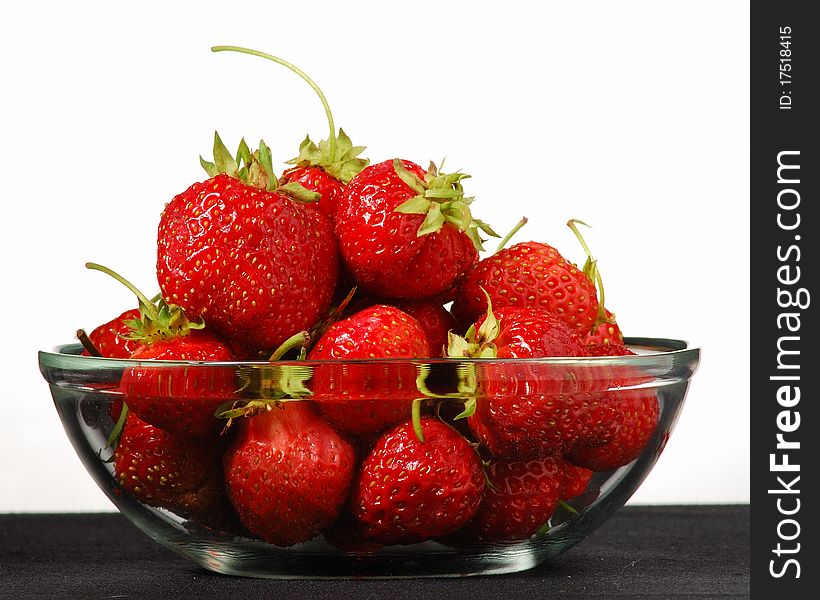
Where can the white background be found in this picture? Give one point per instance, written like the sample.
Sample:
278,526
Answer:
633,116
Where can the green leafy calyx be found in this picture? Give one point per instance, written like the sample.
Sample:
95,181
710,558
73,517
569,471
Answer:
252,168
440,197
341,161
158,320
161,321
477,343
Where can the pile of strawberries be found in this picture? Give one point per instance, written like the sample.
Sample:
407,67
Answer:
342,260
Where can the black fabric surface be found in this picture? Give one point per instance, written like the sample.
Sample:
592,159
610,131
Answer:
648,552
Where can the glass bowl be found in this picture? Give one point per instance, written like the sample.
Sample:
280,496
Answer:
87,395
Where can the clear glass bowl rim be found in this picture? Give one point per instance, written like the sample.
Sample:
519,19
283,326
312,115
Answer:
661,352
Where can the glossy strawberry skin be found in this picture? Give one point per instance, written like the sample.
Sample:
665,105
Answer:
576,480
181,400
167,471
288,473
520,498
257,266
408,491
316,179
109,338
530,274
628,416
533,333
632,416
528,411
366,400
435,320
521,426
381,247
605,333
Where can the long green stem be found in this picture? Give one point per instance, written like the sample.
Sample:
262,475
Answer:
572,225
300,73
512,232
591,270
149,307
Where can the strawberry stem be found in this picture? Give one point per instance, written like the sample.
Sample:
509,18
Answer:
149,307
115,433
512,232
567,507
543,530
88,344
300,73
297,340
416,418
591,270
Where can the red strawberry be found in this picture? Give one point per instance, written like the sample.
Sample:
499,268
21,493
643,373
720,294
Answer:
166,471
181,400
408,491
367,399
532,333
523,411
605,332
257,264
532,275
326,167
627,417
404,233
435,320
288,473
576,480
176,399
634,422
317,180
110,339
597,348
520,498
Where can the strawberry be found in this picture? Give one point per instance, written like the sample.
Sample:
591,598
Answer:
520,412
316,179
287,473
531,275
612,348
110,339
181,400
628,432
435,320
367,399
605,332
173,398
408,491
627,416
519,499
406,233
576,480
532,333
255,262
167,471
326,167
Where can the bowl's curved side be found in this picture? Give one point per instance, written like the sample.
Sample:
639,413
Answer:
84,388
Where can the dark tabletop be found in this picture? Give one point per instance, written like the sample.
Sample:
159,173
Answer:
663,552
